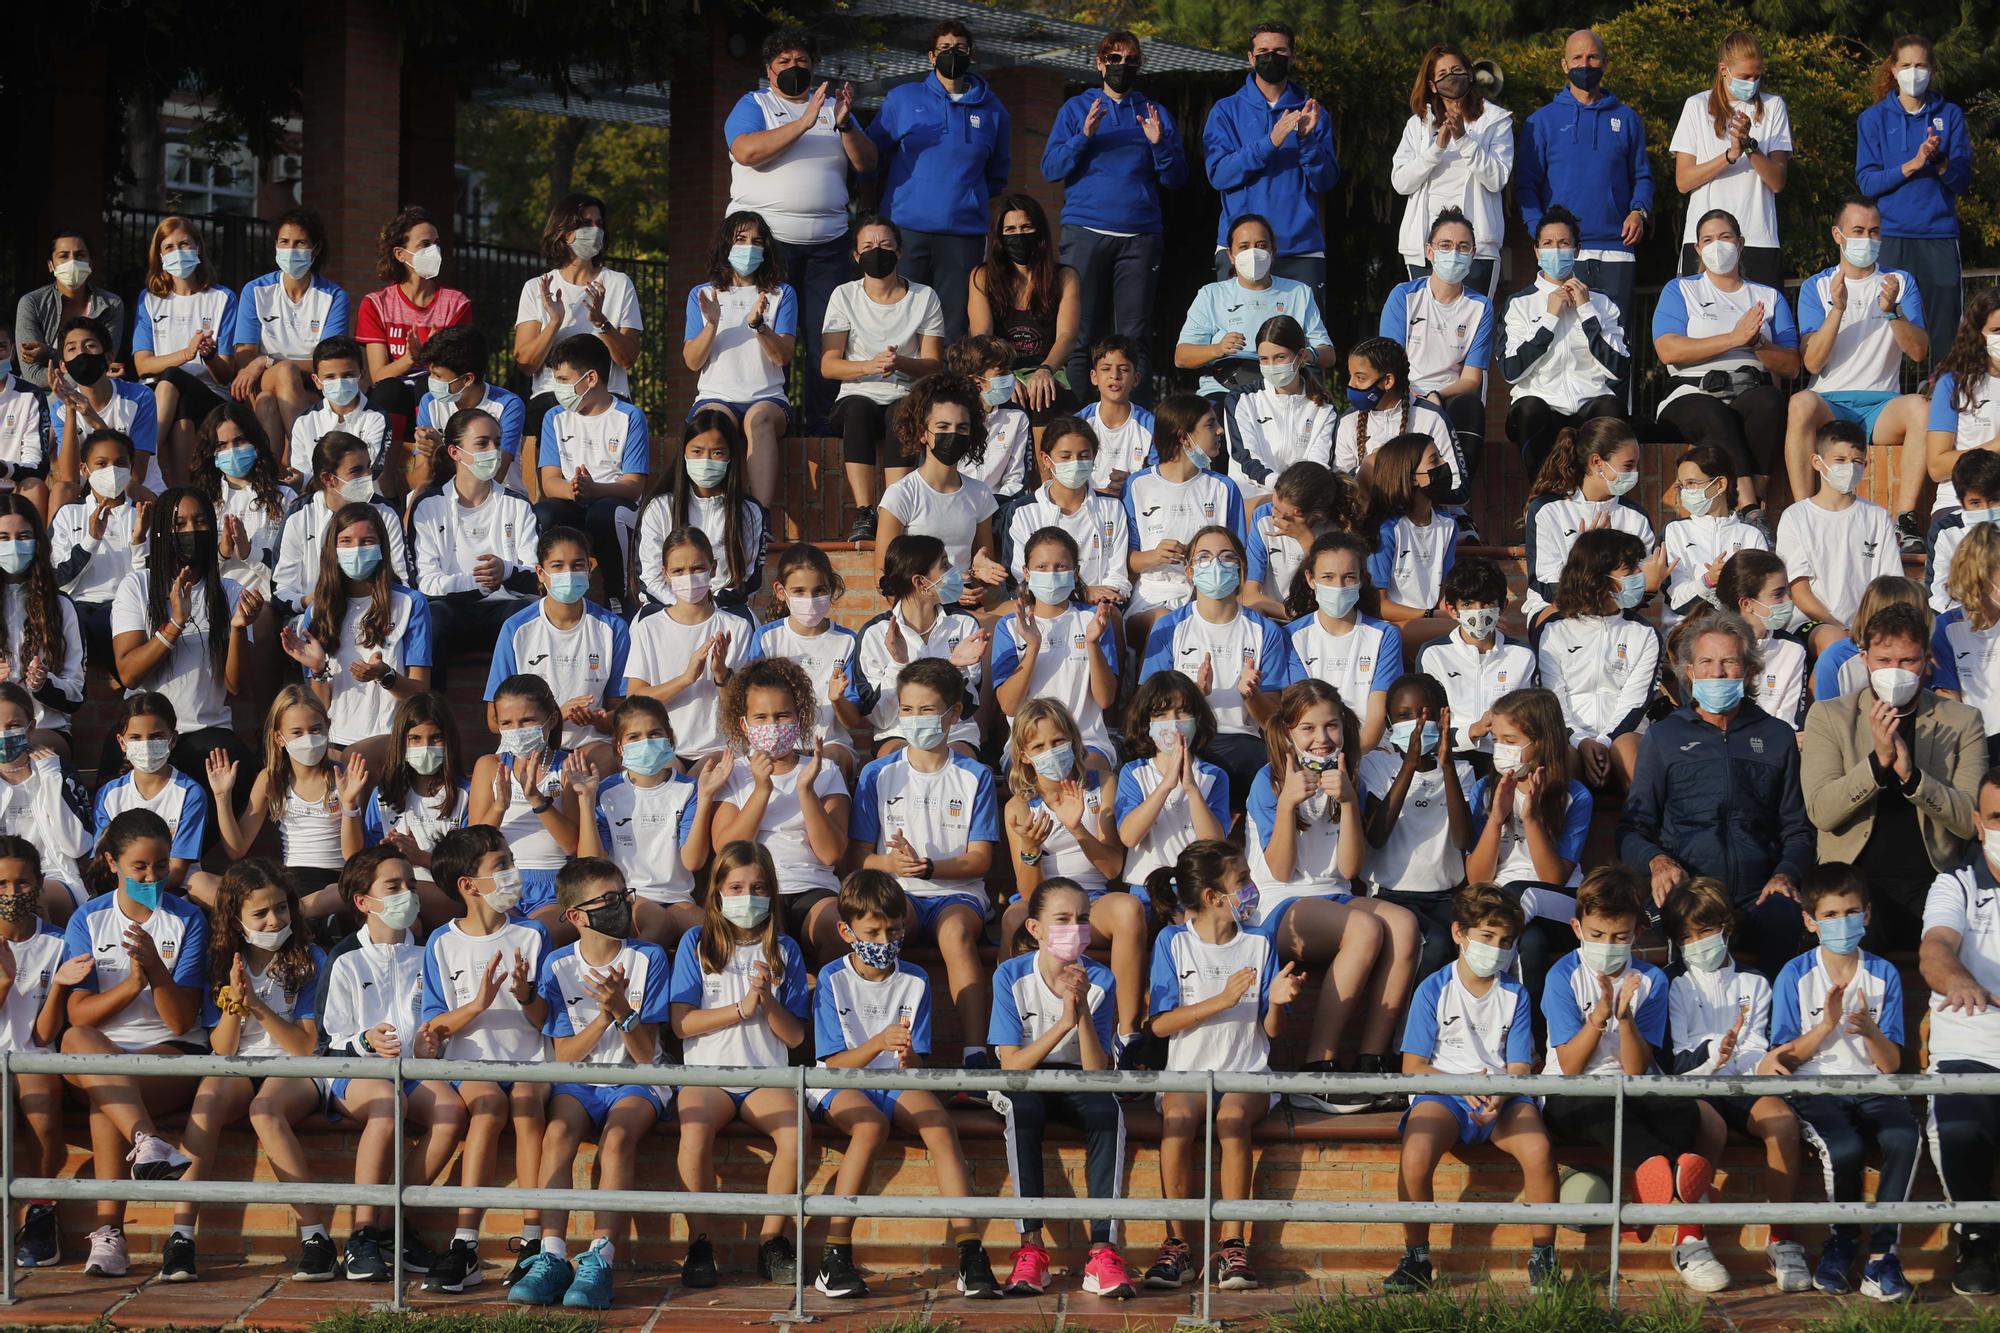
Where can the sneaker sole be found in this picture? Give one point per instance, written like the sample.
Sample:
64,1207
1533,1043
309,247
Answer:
98,1270
992,1293
840,1294
569,1304
1827,1289
160,1170
1124,1291
327,1276
1695,1180
1152,1283
1875,1293
178,1277
353,1276
1027,1289
465,1284
1975,1291
1705,1285
1237,1284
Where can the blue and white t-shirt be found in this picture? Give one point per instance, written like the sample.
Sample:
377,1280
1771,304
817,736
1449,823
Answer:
1973,428
1441,338
360,709
1316,873
1359,663
360,420
180,933
571,1007
455,963
270,321
1572,988
611,444
181,803
167,324
1173,830
939,814
1159,510
849,1010
1462,1033
643,830
750,1045
1183,639
35,962
1125,448
1024,1008
1187,970
299,1003
423,819
835,647
1865,356
1062,666
1098,526
589,658
1516,865
1798,1002
1968,661
738,371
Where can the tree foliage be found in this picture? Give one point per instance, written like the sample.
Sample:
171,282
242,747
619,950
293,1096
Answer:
625,165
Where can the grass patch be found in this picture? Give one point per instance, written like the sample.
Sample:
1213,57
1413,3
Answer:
1572,1307
388,1321
1856,1317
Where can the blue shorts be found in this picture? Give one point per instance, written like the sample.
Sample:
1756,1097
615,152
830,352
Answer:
538,890
597,1099
883,1098
335,1091
739,410
1469,1130
928,909
1276,916
1860,408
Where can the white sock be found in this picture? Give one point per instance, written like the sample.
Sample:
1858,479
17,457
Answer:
308,1232
604,1248
969,1051
555,1245
184,1231
467,1234
530,1232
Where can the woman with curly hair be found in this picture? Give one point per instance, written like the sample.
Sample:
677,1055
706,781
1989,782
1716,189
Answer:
394,322
234,468
1965,407
1598,659
941,424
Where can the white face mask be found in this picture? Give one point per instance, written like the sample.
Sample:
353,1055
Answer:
268,939
358,491
309,749
148,756
110,482
1893,685
1280,374
1914,81
73,273
484,464
1843,477
585,242
1993,347
426,262
1697,501
809,611
399,911
1509,758
1990,839
1479,621
506,890
1252,264
1719,256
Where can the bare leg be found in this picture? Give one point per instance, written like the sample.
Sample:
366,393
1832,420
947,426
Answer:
525,1105
1428,1133
703,1112
218,1104
866,1130
280,1104
1235,1117
926,1114
569,1125
486,1110
1317,933
295,394
762,425
774,1111
625,1130
1121,919
1395,972
958,931
1804,415
1906,421
1520,1134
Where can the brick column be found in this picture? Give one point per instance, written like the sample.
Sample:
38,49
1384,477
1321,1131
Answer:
1032,97
352,138
429,145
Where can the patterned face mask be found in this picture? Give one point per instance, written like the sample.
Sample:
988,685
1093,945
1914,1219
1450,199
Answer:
878,954
776,739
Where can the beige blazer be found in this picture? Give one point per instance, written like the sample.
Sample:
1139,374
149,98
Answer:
1835,767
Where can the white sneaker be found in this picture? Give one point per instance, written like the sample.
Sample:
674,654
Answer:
153,1158
107,1254
1699,1268
1788,1262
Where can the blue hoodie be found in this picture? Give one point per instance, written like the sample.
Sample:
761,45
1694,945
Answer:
1591,160
943,158
1885,137
1112,176
1284,184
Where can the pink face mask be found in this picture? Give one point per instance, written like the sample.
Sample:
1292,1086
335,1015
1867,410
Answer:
809,611
1066,941
776,739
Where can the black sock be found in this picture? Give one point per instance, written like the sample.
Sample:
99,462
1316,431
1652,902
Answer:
1232,1241
1318,1067
972,1245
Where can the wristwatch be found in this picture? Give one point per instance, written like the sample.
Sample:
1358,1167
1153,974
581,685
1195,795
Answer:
625,1024
1031,858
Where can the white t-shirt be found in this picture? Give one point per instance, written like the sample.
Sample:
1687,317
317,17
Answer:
109,558
621,311
1419,856
1062,666
643,830
1438,336
451,536
1187,970
953,517
298,1003
361,421
833,648
1974,428
782,830
166,324
1123,448
1098,525
1462,1033
180,935
1967,901
1173,828
188,676
661,649
455,963
361,709
1865,357
750,1045
939,814
872,327
1737,188
738,371
35,962
1839,551
610,443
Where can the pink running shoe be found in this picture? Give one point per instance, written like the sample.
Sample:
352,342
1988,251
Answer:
1108,1276
1031,1272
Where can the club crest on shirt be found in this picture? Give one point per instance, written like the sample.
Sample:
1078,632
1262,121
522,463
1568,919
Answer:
954,808
313,328
1363,663
592,660
1502,679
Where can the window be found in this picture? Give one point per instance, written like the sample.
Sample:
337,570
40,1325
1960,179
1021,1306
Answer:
205,182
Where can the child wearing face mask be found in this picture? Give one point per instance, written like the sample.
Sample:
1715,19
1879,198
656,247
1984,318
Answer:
942,427
24,428
923,589
93,543
1476,662
474,538
340,477
41,643
522,792
1838,1009
371,987
1698,545
480,1002
1834,542
738,999
683,653
593,455
1306,500
807,587
706,492
1471,1017
232,466
454,362
1415,541
261,1000
1167,796
653,822
42,801
1976,476
1007,467
89,397
1290,419
1606,1010
301,790
577,648
1096,523
1584,485
930,817
1754,585
1218,999
1381,407
1597,656
149,781
337,373
1719,1020
1053,1009
424,792
1057,647
605,1000
1337,636
1167,503
1413,799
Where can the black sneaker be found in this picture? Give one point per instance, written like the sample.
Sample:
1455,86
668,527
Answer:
1976,1274
524,1252
1909,536
39,1241
1174,1266
777,1261
1329,1103
1412,1275
177,1258
864,526
975,1274
698,1269
361,1258
417,1256
317,1262
1544,1272
838,1277
458,1270
1232,1267
1379,1064
1752,515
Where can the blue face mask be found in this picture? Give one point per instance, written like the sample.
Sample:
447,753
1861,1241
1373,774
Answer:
295,262
1718,696
1631,591
707,473
1052,586
1742,90
143,895
1217,578
878,954
13,744
181,263
950,586
921,731
1842,934
1074,473
1400,733
1451,265
746,259
648,756
1558,262
1338,602
237,460
16,556
1055,762
999,391
358,562
1367,399
568,587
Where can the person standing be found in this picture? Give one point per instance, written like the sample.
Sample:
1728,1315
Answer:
1913,156
1269,150
944,151
1586,151
1732,150
790,147
1114,149
1457,152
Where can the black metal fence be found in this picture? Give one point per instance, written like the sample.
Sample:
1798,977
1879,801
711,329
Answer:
240,248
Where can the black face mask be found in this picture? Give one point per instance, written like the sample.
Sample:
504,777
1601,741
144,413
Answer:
196,549
87,368
1021,246
614,919
1454,85
879,262
793,80
952,62
1439,485
1274,67
1587,77
949,446
1119,77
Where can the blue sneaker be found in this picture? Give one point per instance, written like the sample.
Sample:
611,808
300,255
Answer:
1834,1261
1883,1280
591,1289
547,1279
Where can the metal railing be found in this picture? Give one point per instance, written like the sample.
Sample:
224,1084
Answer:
399,1196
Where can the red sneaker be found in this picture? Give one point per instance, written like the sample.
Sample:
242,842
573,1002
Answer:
1652,1182
1107,1275
1031,1272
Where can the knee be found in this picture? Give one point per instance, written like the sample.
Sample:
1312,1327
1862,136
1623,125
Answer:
1363,934
1231,1123
486,1106
1804,407
1404,933
1123,915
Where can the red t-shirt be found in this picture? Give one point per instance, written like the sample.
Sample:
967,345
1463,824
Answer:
387,316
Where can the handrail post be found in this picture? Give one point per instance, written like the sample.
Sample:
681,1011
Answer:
1208,1199
7,1176
396,1292
799,1208
1617,1179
